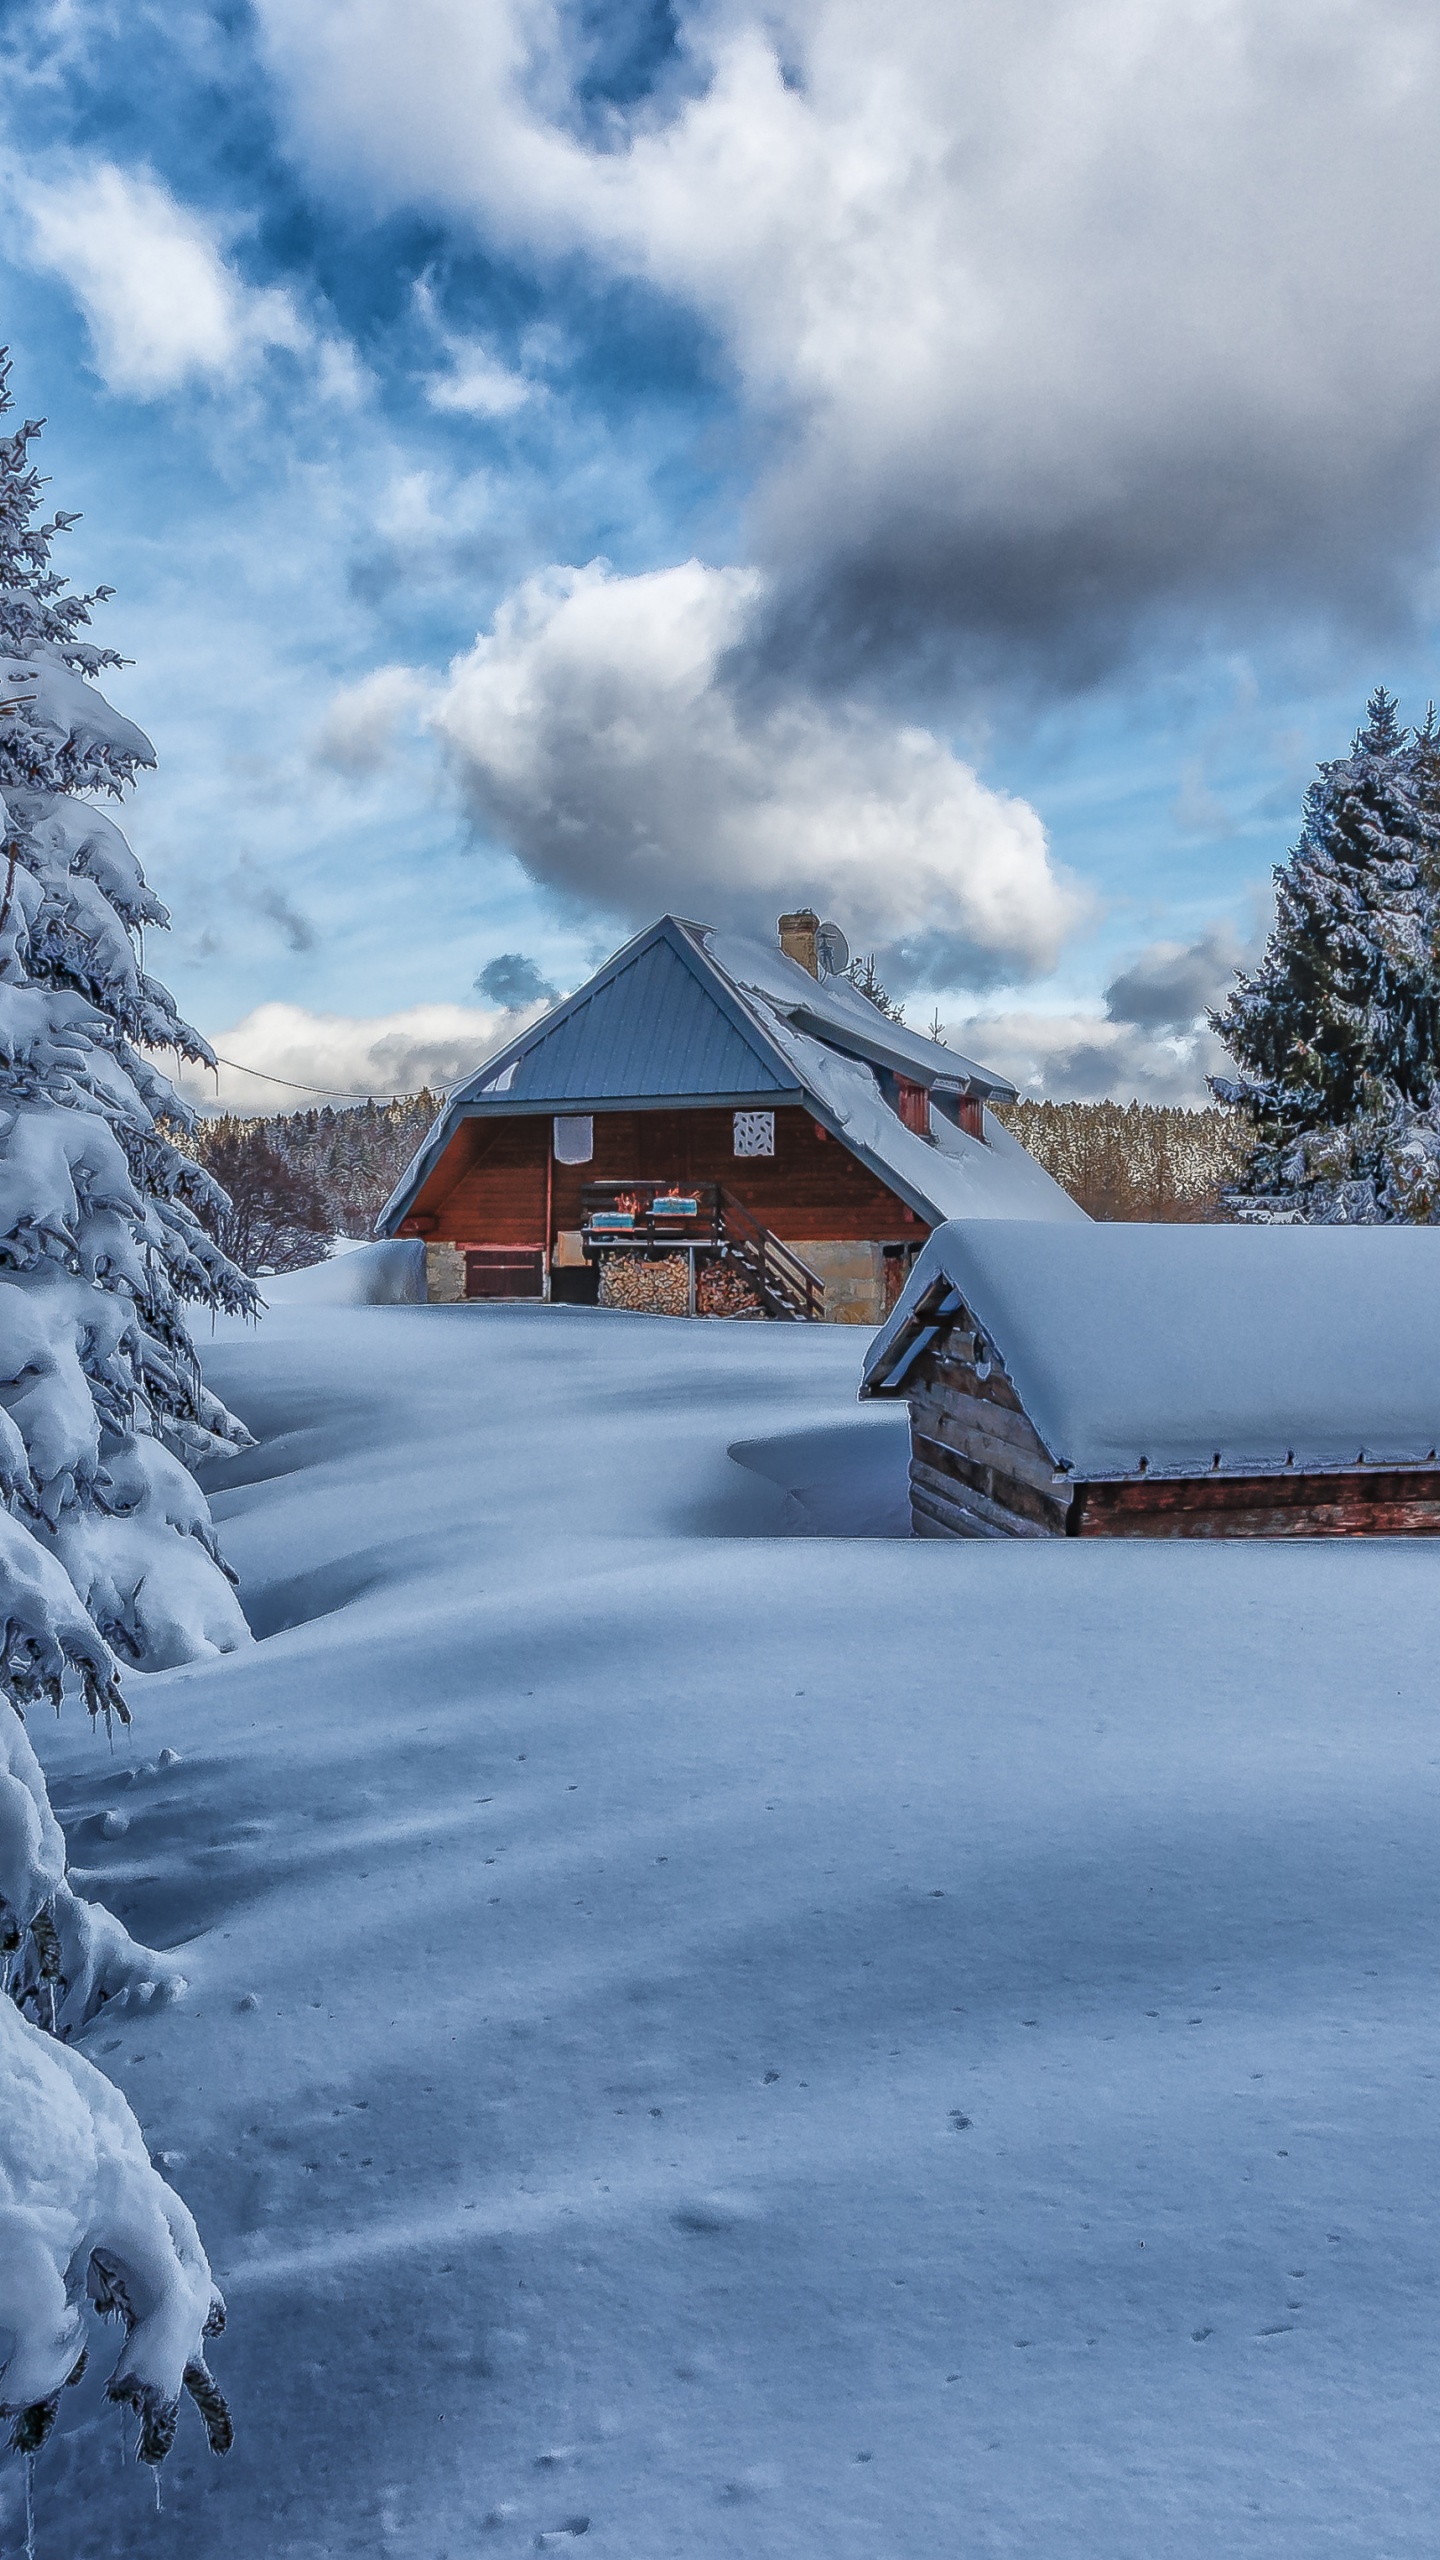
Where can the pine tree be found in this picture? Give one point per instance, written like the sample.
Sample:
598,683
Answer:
865,978
107,1553
101,1243
1337,1033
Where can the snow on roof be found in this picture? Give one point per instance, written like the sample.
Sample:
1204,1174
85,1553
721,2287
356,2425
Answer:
950,1175
1166,1348
838,1013
684,1010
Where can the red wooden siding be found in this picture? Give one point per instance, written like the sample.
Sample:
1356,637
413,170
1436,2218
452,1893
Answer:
490,1185
1399,1503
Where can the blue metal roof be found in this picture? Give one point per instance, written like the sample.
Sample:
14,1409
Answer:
650,1024
682,1015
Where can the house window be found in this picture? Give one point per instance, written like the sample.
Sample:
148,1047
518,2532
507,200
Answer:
575,1139
754,1133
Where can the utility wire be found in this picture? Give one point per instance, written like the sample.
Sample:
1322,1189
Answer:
332,1091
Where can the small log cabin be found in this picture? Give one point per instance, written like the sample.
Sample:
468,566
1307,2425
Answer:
1098,1381
711,1104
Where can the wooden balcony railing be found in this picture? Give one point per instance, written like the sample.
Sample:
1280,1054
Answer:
702,1218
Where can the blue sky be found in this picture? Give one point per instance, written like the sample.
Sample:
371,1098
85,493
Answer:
557,462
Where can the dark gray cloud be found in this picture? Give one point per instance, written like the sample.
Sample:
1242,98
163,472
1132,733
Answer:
1059,328
514,981
251,887
1153,1044
1076,1058
1173,984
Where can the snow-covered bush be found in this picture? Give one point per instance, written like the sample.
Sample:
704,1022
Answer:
107,1553
1337,1033
83,2212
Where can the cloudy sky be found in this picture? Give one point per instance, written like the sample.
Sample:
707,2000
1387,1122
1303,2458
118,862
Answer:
562,459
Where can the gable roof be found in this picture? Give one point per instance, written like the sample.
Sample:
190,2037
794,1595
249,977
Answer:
685,1015
655,1022
1160,1349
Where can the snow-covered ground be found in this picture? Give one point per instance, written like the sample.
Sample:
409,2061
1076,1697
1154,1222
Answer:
783,2046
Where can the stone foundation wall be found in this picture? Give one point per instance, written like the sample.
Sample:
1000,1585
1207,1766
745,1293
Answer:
444,1275
853,1274
854,1277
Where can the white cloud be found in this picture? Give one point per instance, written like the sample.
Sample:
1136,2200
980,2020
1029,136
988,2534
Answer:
599,729
476,386
162,306
475,383
1152,1044
358,731
1086,1057
295,1058
1071,309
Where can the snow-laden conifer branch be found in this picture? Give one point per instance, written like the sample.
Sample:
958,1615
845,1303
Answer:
82,2212
107,1551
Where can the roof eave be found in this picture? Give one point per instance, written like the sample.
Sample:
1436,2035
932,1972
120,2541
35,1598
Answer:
889,1361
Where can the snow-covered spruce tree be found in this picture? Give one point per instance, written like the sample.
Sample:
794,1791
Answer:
107,1554
1337,1033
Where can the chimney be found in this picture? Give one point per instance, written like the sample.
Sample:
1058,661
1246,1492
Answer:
797,938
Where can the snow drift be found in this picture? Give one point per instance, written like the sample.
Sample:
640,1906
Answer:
765,2046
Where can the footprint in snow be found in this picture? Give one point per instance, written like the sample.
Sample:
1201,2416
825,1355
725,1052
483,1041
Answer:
709,2213
757,2482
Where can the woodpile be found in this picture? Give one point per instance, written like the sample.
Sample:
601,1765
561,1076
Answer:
646,1288
720,1290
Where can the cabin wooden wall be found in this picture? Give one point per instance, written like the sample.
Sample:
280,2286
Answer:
978,1469
489,1187
1402,1502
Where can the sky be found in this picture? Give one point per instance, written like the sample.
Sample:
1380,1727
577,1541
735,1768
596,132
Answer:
560,460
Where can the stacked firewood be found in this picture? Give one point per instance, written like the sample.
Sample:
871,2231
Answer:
721,1290
646,1288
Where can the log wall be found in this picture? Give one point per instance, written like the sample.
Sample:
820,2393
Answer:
978,1469
490,1185
1400,1502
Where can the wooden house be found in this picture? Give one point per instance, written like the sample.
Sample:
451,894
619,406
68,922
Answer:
1097,1381
758,1138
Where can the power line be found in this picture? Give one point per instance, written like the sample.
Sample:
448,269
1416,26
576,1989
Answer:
332,1091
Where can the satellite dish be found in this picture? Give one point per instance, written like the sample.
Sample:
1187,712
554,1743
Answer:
832,951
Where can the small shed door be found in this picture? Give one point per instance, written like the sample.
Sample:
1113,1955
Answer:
505,1271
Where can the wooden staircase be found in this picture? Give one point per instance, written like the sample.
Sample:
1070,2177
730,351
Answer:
785,1286
721,1230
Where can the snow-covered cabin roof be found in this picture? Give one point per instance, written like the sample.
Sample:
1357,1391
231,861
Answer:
1176,1350
686,1015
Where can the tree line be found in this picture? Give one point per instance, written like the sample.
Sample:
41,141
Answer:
293,1182
1135,1160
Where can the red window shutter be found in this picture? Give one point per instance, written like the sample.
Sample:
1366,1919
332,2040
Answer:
912,1101
972,1115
